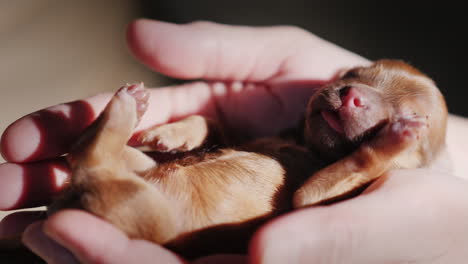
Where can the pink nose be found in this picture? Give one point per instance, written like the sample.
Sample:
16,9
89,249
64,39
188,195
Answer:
351,97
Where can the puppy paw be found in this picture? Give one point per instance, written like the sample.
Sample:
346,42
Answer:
404,132
407,129
181,136
166,138
113,128
139,94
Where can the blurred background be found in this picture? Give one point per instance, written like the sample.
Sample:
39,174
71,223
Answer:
54,51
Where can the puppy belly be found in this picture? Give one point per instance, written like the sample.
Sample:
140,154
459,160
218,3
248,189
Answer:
229,187
220,201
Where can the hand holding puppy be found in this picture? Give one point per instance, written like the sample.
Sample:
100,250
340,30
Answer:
265,75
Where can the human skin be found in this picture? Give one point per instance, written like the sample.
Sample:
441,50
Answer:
417,216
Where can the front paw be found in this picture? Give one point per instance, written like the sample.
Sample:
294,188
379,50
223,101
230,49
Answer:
181,136
403,132
166,138
408,128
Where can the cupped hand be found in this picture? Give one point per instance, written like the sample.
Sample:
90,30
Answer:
255,80
407,216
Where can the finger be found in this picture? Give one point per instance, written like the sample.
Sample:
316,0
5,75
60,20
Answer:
36,240
253,109
31,184
93,240
221,52
16,223
408,217
49,133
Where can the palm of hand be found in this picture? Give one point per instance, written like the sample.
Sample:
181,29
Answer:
255,80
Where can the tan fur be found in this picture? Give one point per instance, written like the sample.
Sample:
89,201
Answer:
412,102
209,200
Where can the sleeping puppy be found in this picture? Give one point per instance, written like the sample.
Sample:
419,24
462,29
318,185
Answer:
212,194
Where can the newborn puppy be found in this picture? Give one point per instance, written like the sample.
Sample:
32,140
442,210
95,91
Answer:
371,120
210,199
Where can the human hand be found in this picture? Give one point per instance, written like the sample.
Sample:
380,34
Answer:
257,80
407,216
275,70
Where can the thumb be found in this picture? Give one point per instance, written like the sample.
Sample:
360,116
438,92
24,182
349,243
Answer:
92,240
397,222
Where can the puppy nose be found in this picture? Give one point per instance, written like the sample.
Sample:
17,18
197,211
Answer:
351,97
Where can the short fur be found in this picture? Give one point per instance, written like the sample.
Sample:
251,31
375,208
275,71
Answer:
210,199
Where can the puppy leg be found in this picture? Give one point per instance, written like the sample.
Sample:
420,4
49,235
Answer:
370,161
112,129
105,172
184,135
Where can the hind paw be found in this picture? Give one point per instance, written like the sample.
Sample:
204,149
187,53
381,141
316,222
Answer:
139,94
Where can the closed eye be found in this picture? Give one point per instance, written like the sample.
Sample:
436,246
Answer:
350,74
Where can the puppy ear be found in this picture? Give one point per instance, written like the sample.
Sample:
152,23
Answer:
341,73
346,73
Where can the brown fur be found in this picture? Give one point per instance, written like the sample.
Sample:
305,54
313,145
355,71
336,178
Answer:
210,200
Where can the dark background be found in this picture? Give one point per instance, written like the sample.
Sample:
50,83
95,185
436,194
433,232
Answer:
428,35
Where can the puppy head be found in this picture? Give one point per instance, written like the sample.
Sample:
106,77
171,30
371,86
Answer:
350,110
